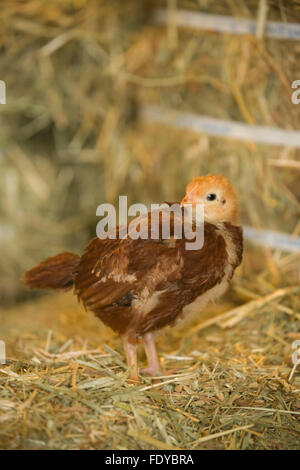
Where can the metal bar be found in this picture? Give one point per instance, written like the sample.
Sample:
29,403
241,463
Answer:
221,127
227,24
272,239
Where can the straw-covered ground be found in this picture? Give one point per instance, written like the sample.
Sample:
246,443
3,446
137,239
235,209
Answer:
227,386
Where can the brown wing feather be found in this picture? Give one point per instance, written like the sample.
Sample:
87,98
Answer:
201,270
142,285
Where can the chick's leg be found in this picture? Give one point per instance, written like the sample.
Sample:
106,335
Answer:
130,348
153,368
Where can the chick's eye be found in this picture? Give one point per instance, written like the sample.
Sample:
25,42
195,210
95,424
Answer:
211,197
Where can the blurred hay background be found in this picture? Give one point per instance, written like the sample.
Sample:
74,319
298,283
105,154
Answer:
77,73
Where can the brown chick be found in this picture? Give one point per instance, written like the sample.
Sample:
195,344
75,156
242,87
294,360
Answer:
139,286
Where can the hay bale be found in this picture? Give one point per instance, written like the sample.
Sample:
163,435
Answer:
77,74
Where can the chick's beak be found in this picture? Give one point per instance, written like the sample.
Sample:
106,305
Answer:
189,198
185,200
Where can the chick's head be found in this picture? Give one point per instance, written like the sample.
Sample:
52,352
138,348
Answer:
217,196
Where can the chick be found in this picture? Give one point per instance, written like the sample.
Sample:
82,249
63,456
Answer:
139,286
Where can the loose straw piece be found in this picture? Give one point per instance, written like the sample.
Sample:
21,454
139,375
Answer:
228,24
222,433
221,127
155,443
229,319
261,19
237,314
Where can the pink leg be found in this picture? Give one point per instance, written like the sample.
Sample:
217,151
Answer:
130,347
153,368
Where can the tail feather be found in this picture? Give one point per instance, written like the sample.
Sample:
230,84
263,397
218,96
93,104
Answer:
56,272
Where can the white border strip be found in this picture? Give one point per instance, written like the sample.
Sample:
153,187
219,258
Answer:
221,127
226,24
273,239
